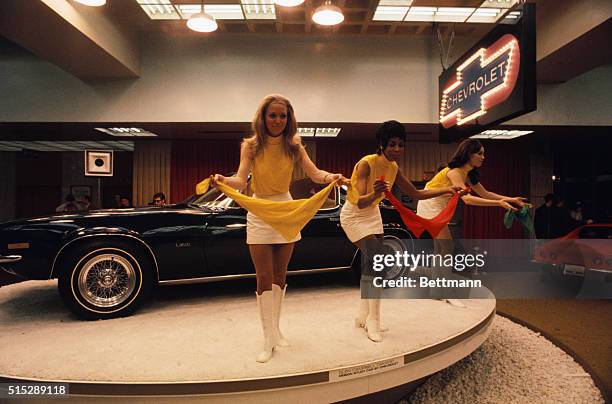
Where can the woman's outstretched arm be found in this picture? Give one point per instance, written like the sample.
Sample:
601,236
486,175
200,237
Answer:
408,188
239,180
455,179
314,173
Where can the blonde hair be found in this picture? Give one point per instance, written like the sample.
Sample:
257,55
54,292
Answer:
257,140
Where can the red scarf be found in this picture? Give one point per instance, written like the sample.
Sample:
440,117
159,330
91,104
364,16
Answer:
417,224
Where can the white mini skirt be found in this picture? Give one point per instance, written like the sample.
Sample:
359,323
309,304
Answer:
359,223
429,208
259,232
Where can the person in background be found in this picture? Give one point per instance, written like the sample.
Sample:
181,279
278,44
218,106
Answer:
579,216
542,220
87,204
562,222
159,199
124,202
69,205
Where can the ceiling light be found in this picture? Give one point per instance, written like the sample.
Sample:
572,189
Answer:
306,132
457,11
57,146
159,9
327,132
389,13
319,132
126,132
202,22
258,9
224,11
288,3
328,14
92,3
399,3
501,134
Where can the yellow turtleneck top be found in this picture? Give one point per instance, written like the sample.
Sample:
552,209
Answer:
440,180
272,168
271,174
379,167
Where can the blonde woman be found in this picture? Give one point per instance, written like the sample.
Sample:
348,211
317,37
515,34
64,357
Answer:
269,155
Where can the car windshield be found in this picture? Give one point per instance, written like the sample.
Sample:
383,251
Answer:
303,188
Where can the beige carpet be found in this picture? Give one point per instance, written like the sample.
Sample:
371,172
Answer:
203,338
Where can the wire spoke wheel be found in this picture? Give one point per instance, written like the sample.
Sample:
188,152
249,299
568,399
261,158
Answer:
106,280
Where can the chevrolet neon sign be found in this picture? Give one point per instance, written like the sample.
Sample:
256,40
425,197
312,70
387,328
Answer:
484,80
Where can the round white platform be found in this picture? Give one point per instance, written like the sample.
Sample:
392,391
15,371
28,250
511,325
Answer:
206,345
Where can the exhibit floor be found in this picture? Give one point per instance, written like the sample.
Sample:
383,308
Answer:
214,339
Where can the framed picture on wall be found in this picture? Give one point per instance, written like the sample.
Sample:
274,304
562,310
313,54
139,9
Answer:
79,191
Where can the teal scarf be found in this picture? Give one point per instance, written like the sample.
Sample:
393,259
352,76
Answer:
522,216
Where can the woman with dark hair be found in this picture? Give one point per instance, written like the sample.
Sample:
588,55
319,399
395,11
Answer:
463,170
360,216
269,155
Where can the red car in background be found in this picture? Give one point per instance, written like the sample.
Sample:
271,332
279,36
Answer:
588,247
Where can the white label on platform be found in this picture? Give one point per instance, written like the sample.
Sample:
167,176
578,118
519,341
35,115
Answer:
366,370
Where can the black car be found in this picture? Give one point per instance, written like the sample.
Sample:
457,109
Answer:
108,261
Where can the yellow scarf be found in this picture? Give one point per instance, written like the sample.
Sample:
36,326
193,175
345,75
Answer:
287,217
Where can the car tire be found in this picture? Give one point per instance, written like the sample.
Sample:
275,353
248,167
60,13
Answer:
102,279
392,244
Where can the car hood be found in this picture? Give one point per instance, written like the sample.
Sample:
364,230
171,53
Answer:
97,215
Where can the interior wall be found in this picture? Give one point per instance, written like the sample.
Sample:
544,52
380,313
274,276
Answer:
38,179
223,78
584,100
73,175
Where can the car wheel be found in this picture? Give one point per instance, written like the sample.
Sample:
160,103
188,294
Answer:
104,280
391,244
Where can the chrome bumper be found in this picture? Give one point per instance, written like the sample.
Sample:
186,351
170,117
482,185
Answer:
9,259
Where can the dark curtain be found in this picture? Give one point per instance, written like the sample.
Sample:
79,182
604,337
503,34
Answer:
505,172
38,183
193,161
338,156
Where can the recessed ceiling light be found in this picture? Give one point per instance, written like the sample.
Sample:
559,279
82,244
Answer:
68,146
396,3
288,3
501,134
319,132
259,9
159,9
327,132
306,132
126,132
92,3
389,13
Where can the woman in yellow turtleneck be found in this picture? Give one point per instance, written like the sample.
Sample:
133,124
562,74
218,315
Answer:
360,216
462,170
269,155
